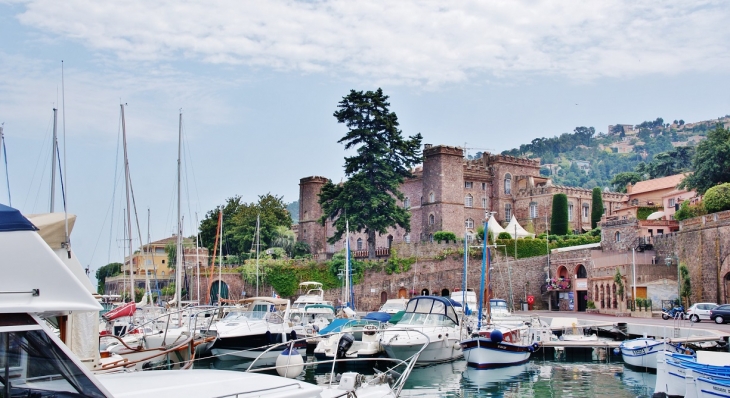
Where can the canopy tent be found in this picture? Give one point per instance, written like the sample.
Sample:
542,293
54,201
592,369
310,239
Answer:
494,228
657,215
514,228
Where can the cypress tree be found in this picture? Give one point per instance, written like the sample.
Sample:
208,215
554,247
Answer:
559,221
596,207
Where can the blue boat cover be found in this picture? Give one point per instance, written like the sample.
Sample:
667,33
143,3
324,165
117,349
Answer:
12,220
335,326
378,316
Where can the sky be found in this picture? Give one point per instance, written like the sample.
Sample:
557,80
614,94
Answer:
257,84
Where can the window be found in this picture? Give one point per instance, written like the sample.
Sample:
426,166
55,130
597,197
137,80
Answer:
635,202
533,210
469,223
671,202
431,198
163,261
406,203
586,211
421,200
507,184
163,273
407,238
617,236
484,186
468,201
508,211
468,184
430,237
570,212
484,203
660,231
431,219
359,243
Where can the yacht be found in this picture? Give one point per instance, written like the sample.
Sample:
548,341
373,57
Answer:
356,339
429,320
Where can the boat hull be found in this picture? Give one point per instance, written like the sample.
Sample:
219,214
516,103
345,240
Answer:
436,351
642,353
483,353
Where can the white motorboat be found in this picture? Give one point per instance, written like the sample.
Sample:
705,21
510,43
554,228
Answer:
314,318
259,323
497,348
314,295
37,284
705,375
356,339
436,320
642,352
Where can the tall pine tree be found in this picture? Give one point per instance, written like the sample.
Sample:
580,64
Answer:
368,199
596,207
559,219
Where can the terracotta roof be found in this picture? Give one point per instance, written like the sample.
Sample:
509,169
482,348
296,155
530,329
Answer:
657,184
171,239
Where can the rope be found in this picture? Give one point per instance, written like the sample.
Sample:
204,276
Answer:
7,175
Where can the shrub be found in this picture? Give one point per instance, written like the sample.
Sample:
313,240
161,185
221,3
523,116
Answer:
559,219
444,236
597,206
591,305
687,210
643,212
504,235
717,198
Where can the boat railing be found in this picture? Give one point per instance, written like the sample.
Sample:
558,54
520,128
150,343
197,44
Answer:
168,318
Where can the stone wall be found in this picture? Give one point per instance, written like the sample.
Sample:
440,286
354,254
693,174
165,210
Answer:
619,235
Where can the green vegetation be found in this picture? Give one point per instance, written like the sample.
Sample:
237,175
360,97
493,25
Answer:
239,224
597,206
368,199
620,180
559,218
711,162
717,198
504,235
619,280
591,305
643,212
538,246
447,236
687,210
109,270
293,209
686,285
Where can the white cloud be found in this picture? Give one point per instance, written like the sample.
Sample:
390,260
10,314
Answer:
406,42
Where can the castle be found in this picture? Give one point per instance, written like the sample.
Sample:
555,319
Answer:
451,193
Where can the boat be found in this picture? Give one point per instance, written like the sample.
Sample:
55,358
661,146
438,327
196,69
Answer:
314,318
642,352
436,321
37,286
706,374
355,339
314,294
251,328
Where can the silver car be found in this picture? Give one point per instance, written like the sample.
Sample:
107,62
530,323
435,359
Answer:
699,311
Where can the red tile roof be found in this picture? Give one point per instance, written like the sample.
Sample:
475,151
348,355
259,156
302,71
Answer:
657,184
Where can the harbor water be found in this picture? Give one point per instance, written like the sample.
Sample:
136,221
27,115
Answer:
537,378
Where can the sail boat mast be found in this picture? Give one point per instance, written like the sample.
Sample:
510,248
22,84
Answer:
178,257
129,208
54,148
258,242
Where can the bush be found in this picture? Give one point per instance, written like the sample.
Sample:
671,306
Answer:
591,305
504,235
559,219
687,210
597,206
643,212
717,198
301,249
444,236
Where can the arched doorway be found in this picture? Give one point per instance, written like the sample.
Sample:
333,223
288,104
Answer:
218,286
402,293
562,272
581,292
383,297
424,292
444,292
580,271
390,241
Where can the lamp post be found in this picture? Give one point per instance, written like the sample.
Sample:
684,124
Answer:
669,261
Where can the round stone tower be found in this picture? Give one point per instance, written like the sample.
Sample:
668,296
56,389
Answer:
310,230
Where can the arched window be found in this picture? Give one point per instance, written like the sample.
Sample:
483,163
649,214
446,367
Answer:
359,243
468,201
390,241
533,210
469,223
507,184
508,211
431,219
431,197
406,203
617,235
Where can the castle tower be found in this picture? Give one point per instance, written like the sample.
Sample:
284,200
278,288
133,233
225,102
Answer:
310,230
443,190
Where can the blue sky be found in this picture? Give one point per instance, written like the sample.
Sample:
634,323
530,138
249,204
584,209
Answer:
258,83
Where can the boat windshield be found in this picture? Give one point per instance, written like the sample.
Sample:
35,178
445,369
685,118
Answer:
429,311
393,306
36,367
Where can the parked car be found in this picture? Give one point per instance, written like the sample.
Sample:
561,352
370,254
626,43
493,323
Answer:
720,314
699,311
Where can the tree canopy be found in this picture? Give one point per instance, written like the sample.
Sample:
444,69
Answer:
596,207
711,161
559,218
109,270
368,199
239,224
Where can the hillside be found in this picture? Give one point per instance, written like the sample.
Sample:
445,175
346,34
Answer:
293,209
586,159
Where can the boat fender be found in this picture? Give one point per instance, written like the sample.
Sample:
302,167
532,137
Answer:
535,346
439,336
289,363
447,335
457,346
616,351
496,336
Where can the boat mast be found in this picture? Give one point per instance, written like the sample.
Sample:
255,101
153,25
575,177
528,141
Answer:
347,263
129,208
258,242
178,256
220,262
197,258
5,155
54,148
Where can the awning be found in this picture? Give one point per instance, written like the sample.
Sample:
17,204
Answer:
657,215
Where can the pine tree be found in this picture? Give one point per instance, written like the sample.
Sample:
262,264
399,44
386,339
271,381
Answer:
596,207
368,199
559,219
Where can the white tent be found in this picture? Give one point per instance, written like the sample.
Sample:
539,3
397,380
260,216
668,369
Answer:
514,228
494,228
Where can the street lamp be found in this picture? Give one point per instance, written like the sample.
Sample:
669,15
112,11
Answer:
670,260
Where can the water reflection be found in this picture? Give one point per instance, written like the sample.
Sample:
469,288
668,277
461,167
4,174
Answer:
439,380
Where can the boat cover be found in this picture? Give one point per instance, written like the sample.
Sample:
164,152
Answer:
335,326
378,316
396,317
12,220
